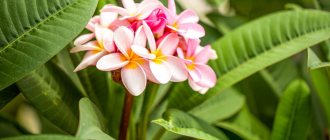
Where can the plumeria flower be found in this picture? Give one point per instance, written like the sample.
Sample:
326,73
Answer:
163,66
132,73
201,76
95,49
186,23
133,11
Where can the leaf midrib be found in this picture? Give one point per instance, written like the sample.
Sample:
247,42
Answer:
45,20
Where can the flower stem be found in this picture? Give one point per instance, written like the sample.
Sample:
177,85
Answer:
125,117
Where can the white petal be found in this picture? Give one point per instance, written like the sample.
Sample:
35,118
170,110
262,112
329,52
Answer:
161,71
134,79
111,62
89,59
179,71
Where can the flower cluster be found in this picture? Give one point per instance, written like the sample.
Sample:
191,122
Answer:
148,42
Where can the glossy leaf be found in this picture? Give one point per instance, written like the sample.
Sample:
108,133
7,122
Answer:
268,40
32,32
221,106
292,118
51,91
320,74
42,137
245,125
91,122
181,123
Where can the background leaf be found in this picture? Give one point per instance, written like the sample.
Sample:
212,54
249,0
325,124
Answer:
8,94
181,123
221,106
91,125
33,31
293,113
51,91
245,125
42,137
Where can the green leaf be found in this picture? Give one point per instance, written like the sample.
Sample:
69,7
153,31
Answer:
8,94
292,118
268,40
221,106
320,74
91,124
52,92
181,123
42,137
32,32
245,125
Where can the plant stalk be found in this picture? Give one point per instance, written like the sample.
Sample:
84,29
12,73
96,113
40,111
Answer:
125,117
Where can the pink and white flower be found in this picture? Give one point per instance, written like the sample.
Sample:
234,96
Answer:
132,73
201,76
186,23
133,11
95,49
118,42
163,65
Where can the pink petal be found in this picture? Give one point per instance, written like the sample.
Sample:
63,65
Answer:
160,71
171,7
115,9
111,62
209,77
205,54
89,59
195,75
99,33
134,79
129,5
192,45
108,42
91,24
150,37
83,39
179,71
192,30
169,44
146,9
90,46
107,18
179,51
140,37
123,38
118,23
188,16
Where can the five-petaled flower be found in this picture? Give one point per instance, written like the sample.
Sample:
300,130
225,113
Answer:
118,42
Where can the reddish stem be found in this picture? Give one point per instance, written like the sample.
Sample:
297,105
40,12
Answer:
125,117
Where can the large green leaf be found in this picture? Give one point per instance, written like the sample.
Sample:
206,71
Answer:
320,74
42,137
221,106
52,92
268,40
181,123
33,31
293,113
91,124
245,125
